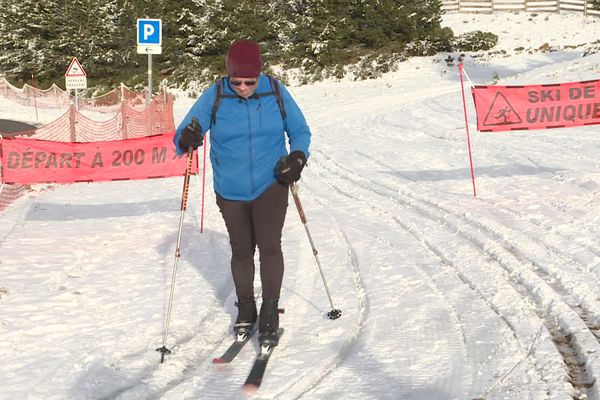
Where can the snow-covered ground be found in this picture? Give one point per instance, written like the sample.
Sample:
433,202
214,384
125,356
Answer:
444,296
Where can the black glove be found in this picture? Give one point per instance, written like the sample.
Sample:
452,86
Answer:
288,168
191,136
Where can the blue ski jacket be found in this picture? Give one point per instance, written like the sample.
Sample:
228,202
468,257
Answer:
248,137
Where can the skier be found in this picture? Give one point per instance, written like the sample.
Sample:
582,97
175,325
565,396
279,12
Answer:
250,115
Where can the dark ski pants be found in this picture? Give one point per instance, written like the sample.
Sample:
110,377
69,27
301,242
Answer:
251,224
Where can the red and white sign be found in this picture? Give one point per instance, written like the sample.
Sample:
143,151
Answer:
40,161
506,108
75,77
75,69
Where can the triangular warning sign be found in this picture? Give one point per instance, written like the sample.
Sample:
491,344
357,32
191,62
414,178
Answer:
75,69
501,112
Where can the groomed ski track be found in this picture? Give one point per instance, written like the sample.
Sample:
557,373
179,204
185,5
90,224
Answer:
420,269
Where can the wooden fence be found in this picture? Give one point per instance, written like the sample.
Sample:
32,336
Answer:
491,6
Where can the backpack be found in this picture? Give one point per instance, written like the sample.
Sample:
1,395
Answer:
276,91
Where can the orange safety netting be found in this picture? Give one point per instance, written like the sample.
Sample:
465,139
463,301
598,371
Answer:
132,119
55,97
9,193
127,123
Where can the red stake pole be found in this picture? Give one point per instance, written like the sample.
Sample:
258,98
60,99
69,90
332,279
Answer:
462,86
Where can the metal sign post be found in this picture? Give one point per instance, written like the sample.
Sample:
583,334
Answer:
149,41
149,98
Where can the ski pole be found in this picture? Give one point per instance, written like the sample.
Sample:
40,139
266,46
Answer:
186,184
334,313
203,187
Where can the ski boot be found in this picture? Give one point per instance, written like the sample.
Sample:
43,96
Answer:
244,324
268,325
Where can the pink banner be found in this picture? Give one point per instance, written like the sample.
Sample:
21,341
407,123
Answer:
40,161
505,108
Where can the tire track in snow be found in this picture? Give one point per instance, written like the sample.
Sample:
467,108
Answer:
525,348
437,283
574,340
188,354
594,250
586,185
438,279
155,379
452,312
549,231
574,285
308,381
447,262
584,293
369,107
156,386
568,285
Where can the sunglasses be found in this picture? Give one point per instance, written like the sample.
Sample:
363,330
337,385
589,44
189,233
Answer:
239,83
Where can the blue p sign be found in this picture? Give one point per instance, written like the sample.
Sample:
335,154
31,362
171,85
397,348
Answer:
149,31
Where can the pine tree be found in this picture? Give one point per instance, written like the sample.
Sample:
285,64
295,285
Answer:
317,36
76,26
116,57
24,39
208,27
320,34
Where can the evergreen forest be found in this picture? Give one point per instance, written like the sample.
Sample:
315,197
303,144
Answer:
315,39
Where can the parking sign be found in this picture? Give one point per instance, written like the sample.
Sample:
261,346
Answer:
149,36
149,32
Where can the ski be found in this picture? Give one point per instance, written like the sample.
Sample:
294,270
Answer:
233,350
259,367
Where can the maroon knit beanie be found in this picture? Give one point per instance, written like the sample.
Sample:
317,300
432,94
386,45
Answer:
243,59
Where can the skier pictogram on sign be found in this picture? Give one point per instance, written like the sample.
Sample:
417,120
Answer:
75,69
501,112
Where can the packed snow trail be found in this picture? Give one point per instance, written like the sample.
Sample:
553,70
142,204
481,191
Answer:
444,296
